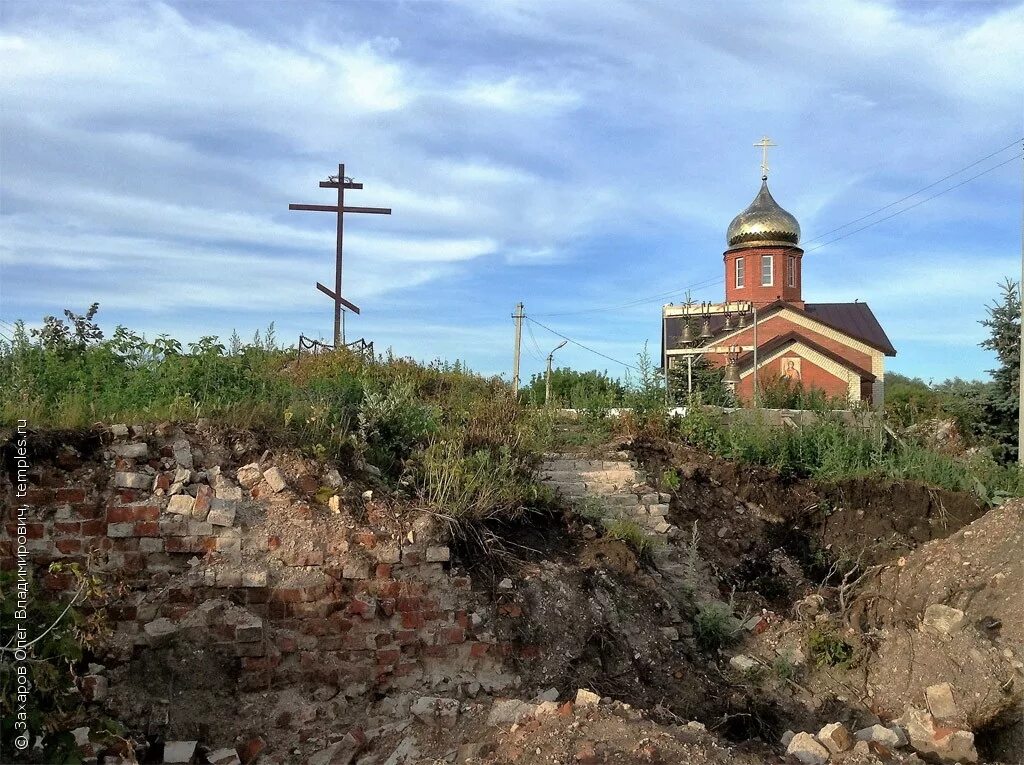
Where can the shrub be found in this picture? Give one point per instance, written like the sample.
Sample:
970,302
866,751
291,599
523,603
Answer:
60,634
714,626
631,534
828,649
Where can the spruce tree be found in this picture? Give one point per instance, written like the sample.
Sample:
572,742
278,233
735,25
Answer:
1001,409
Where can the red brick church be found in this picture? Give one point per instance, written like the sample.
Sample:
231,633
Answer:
837,347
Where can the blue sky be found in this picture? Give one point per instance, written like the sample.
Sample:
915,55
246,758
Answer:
573,155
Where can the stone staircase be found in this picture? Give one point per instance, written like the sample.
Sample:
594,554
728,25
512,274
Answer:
613,484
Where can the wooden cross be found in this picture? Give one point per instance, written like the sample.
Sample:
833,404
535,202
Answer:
764,143
339,182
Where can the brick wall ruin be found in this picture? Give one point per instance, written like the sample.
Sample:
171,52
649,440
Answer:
303,575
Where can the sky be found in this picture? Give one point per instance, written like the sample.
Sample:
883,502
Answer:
583,158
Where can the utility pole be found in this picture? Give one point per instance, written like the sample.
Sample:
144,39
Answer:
547,378
518,316
339,182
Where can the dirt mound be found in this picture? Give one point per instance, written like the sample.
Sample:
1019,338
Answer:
953,611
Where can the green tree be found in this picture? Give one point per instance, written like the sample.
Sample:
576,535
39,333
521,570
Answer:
1001,408
708,383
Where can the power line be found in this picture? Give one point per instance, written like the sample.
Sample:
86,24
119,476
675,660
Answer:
581,345
711,282
910,196
911,207
536,352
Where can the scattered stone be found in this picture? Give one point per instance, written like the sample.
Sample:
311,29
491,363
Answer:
368,495
434,710
254,578
546,708
222,513
791,654
181,504
509,711
946,744
786,737
943,619
333,478
182,476
373,470
182,451
836,738
225,490
223,757
879,733
132,480
119,431
81,736
275,479
940,701
551,694
805,749
131,451
743,663
670,633
505,584
334,503
159,631
585,698
251,749
438,554
249,475
180,751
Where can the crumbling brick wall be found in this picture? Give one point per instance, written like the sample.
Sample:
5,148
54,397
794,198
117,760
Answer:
331,586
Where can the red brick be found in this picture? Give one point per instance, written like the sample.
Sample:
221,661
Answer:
383,571
127,496
147,529
204,498
68,546
88,510
147,513
412,620
120,514
69,494
35,497
67,527
163,481
461,582
510,609
366,538
478,650
286,595
453,635
180,544
388,656
287,644
405,637
94,528
436,651
405,669
408,604
32,530
529,651
273,543
462,619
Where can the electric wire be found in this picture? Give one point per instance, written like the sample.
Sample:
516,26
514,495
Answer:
719,280
911,207
911,196
535,351
581,345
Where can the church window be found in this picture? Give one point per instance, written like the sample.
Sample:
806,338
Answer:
740,276
791,271
767,271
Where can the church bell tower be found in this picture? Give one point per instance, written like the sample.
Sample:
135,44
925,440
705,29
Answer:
763,259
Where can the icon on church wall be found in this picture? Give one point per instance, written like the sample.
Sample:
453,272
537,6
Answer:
791,368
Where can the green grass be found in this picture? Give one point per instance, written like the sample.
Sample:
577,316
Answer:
460,440
831,449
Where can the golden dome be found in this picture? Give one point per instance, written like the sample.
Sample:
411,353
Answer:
763,222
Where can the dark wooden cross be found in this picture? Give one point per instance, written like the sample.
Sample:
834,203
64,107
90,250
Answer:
340,182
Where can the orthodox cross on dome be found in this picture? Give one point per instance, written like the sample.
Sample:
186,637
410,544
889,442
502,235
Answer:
764,144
